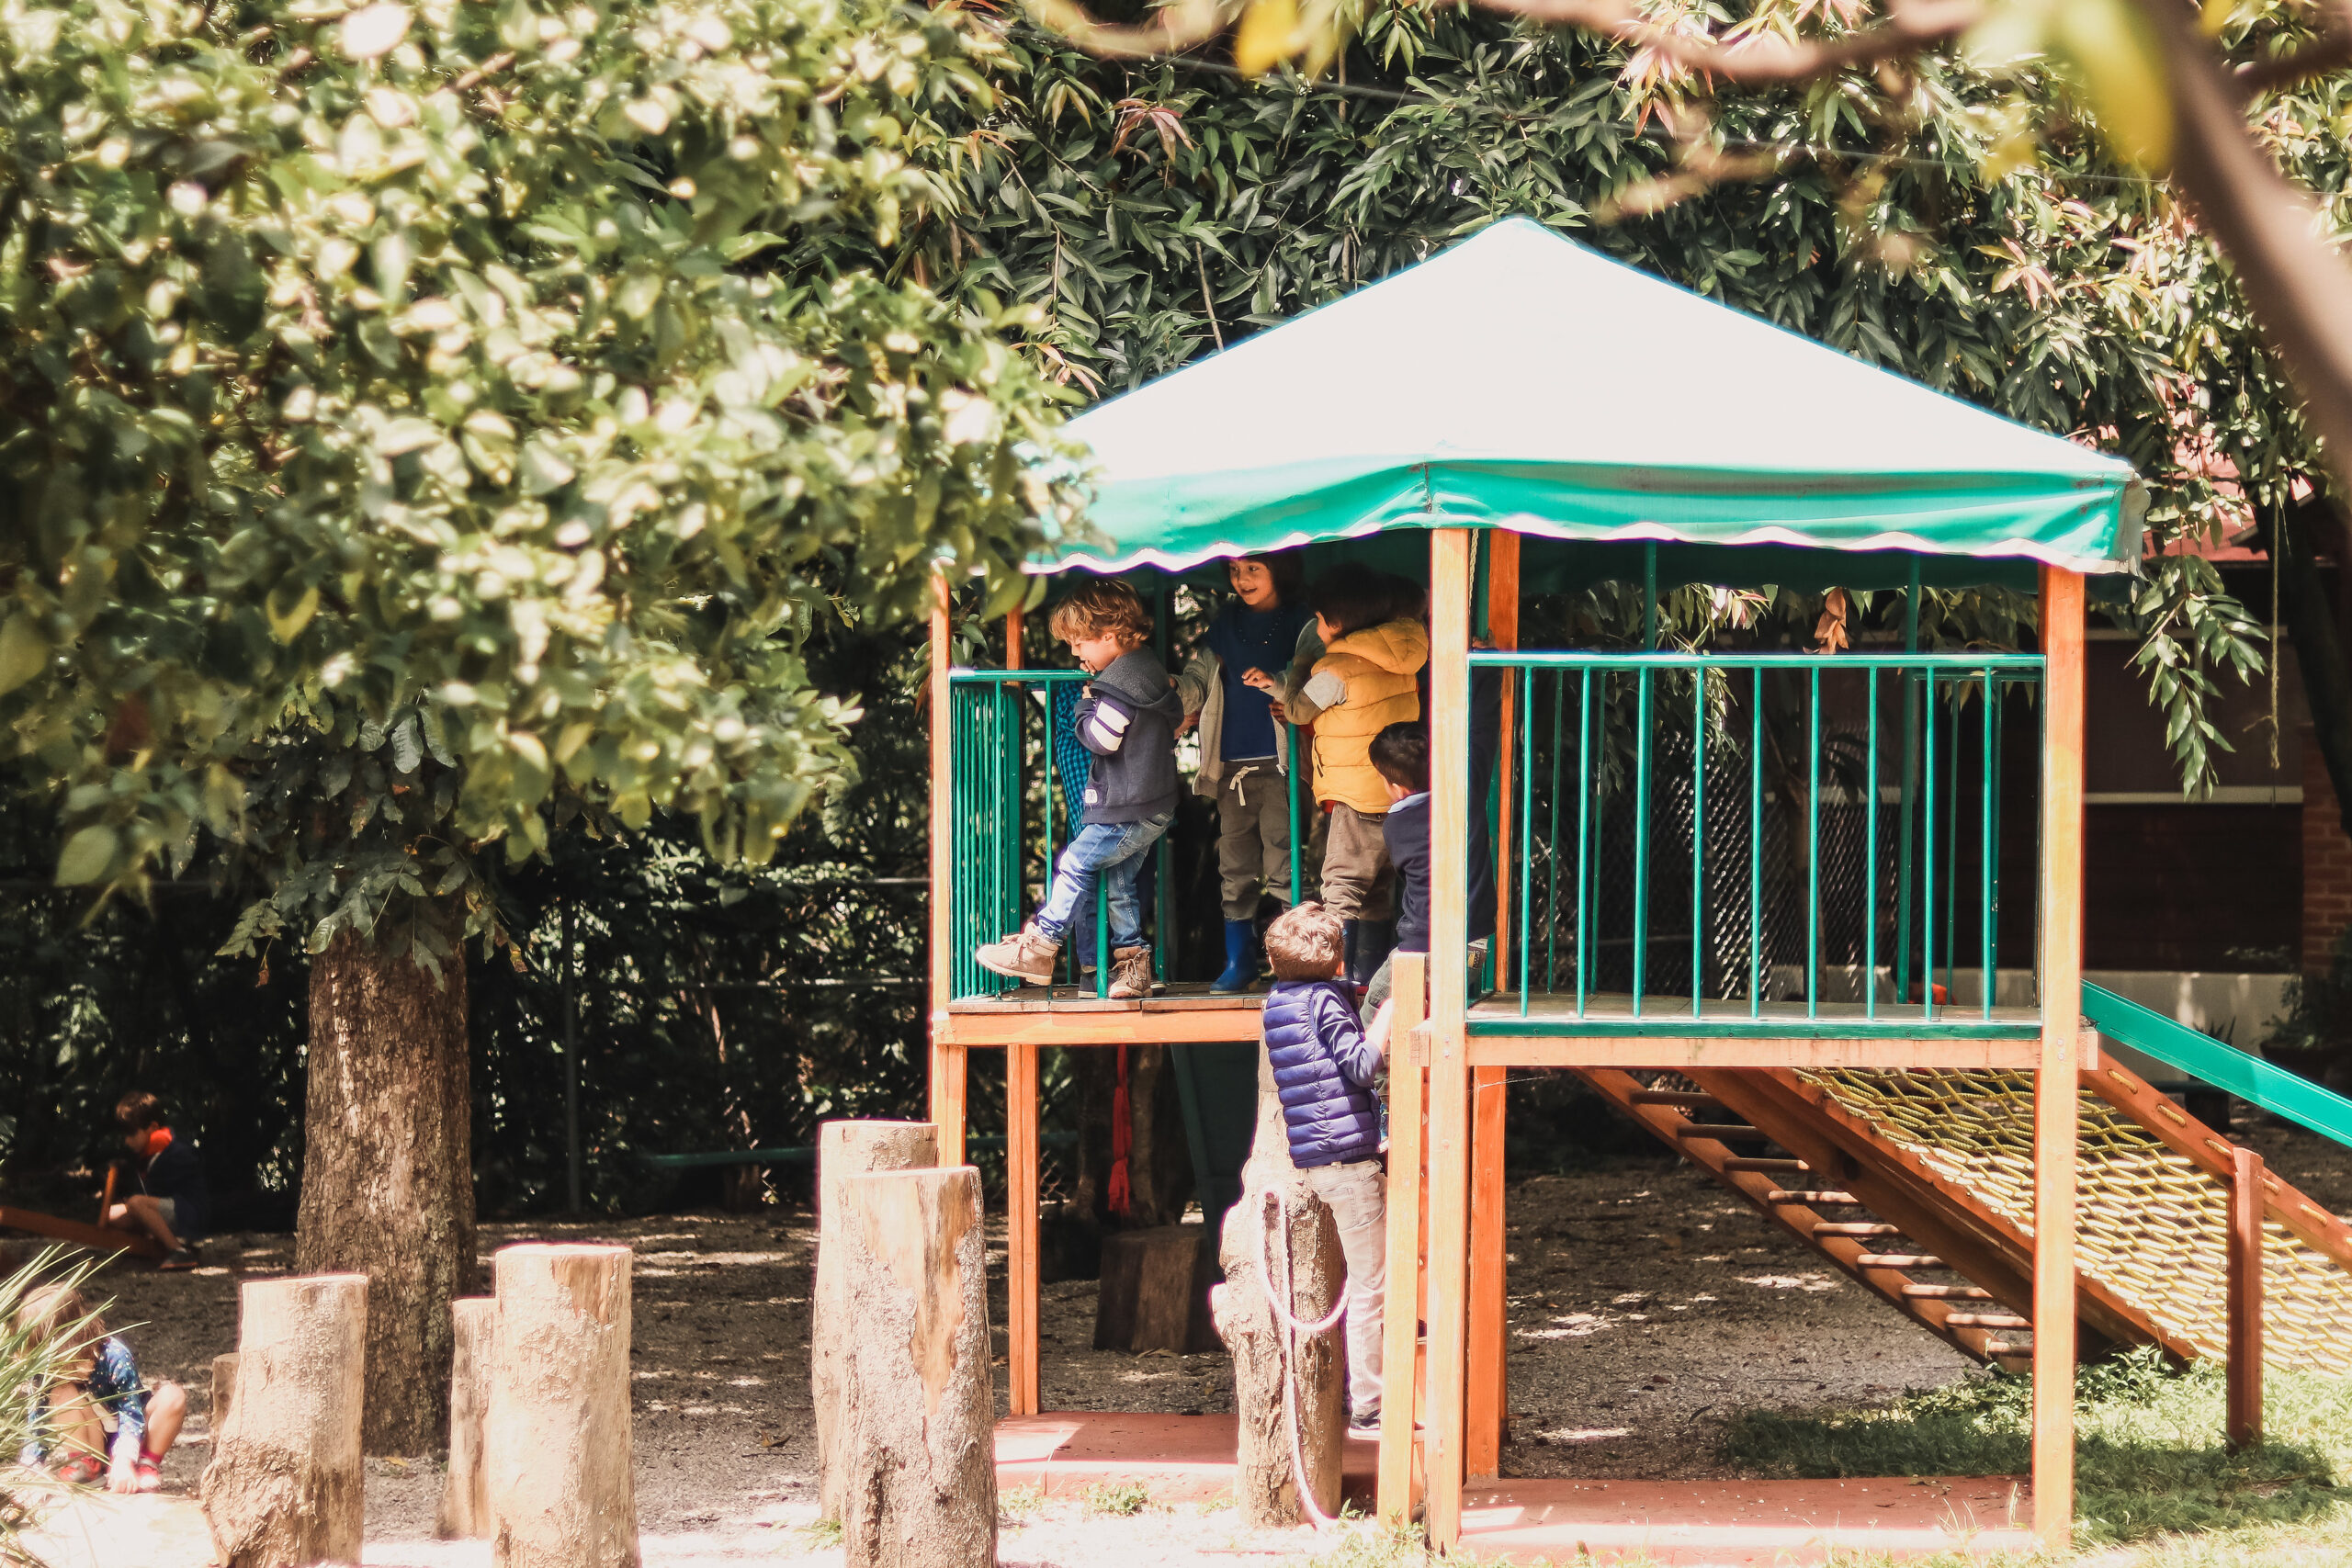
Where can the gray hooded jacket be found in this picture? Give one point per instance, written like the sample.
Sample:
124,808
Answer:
1128,719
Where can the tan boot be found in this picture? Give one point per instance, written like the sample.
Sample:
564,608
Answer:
1130,973
1024,955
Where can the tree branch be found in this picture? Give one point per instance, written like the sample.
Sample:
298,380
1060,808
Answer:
1174,29
2331,51
1760,59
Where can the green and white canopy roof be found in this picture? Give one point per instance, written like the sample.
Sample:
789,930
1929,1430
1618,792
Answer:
1521,380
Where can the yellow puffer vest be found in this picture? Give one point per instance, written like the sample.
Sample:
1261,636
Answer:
1378,664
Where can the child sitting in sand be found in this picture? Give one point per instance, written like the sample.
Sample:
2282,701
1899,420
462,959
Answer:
96,1418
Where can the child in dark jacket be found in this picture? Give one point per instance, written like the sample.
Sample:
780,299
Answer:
1126,720
1400,754
171,1202
1324,1070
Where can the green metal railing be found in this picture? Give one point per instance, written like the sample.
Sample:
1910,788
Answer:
1753,745
1009,808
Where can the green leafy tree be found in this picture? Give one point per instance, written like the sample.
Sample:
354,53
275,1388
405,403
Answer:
428,430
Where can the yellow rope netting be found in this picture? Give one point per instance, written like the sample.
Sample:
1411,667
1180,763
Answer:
2150,1224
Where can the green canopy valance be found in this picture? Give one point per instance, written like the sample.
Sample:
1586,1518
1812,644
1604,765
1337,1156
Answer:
1521,380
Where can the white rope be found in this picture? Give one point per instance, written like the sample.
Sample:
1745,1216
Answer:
1288,1353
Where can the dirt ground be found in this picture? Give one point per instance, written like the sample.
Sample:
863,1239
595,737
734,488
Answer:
1646,1307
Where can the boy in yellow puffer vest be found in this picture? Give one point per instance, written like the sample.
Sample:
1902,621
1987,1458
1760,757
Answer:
1374,647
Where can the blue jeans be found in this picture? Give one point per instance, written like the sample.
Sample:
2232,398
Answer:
1112,851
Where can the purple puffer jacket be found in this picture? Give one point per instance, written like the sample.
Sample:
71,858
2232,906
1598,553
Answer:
1323,1070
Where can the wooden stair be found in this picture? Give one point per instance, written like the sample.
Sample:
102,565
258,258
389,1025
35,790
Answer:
1813,1193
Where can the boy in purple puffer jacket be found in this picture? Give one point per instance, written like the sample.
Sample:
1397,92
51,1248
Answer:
1324,1070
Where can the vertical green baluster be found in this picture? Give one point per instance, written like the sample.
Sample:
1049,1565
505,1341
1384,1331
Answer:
1290,800
1910,792
2000,733
1583,838
1526,831
1990,849
1755,847
1649,597
1869,859
1054,816
1559,782
1928,860
1698,838
1813,855
1951,844
1642,826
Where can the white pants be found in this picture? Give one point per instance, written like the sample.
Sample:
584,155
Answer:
1358,1197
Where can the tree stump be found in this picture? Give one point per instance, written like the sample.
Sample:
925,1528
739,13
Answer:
284,1488
1155,1294
556,1439
1264,1351
224,1388
465,1492
917,1433
845,1149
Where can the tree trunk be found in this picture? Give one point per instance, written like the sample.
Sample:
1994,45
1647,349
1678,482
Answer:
2308,612
845,1149
284,1487
224,1389
388,1174
918,1427
562,1494
465,1491
1264,1353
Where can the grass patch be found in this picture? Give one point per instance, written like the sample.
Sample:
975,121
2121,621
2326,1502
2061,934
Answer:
1121,1498
2149,1457
822,1533
1021,1504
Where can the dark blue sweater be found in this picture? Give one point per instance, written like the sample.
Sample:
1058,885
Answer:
1323,1073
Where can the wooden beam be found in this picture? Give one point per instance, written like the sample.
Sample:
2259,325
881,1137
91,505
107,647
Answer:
1481,1440
947,1065
1502,630
1401,1328
1020,1228
2244,1426
1682,1052
1134,1027
2056,1087
1449,1204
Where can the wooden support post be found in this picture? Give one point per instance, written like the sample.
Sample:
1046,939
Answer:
1020,1153
284,1487
2056,1090
1483,1421
1482,1438
1277,1372
465,1489
562,1488
947,1058
921,1489
2244,1423
845,1149
1401,1328
1449,1135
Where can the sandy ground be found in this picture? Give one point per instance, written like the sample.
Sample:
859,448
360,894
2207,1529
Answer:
1646,1307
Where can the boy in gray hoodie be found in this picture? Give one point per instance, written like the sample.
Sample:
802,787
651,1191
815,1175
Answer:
1126,720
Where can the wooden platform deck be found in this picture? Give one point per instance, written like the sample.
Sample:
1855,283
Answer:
1178,1458
1607,1032
1180,1012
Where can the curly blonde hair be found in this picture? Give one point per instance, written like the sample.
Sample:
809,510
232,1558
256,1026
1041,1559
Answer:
1103,606
1306,943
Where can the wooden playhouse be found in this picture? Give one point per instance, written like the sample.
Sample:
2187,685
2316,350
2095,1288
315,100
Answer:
1808,917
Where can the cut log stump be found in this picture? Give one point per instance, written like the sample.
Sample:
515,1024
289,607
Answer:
465,1491
1155,1294
284,1487
556,1439
844,1149
917,1430
1264,1353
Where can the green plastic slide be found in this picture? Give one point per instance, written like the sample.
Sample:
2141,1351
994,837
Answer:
2224,1066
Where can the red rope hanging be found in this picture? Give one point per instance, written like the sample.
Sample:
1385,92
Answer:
1123,1137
